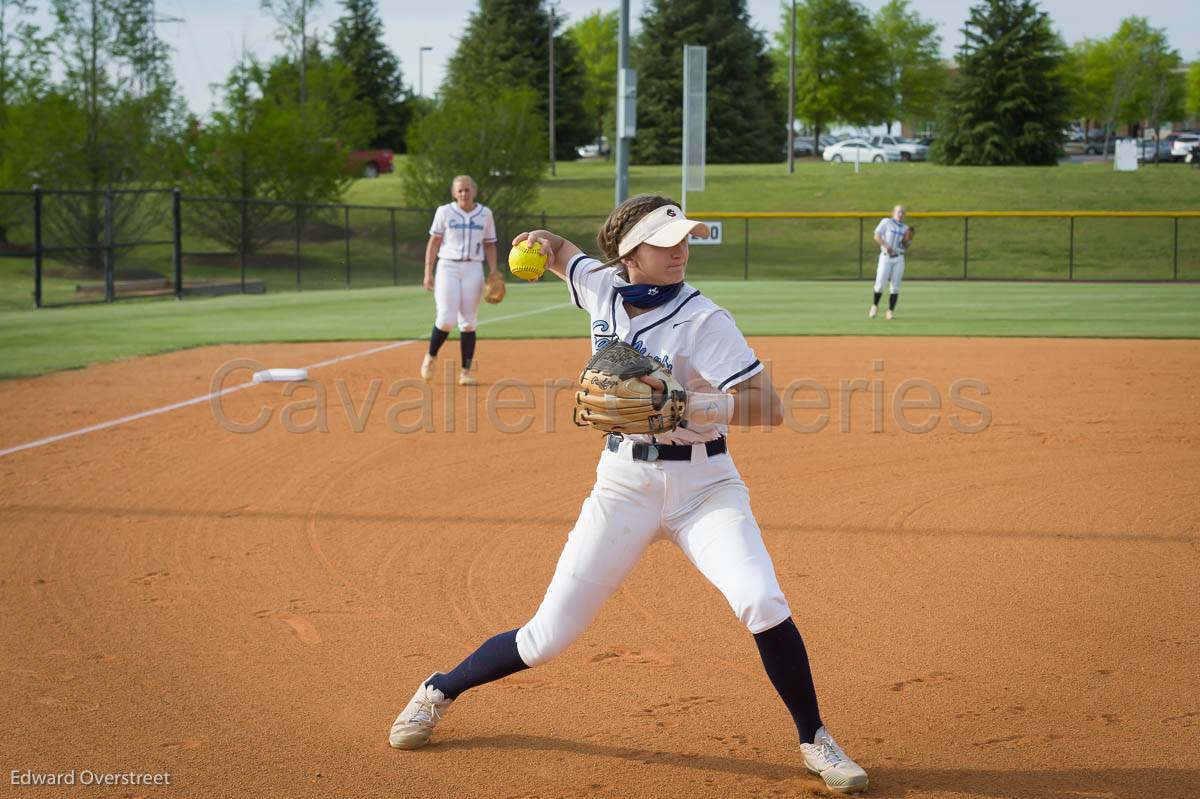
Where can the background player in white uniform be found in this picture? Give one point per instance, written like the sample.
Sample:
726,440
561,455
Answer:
893,237
463,234
681,486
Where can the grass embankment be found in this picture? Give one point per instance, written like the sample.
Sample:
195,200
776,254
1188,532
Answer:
996,248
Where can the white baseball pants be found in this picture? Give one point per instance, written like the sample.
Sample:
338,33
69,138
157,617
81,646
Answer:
457,289
889,269
702,506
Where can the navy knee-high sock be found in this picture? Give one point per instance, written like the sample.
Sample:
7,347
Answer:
467,342
436,339
878,294
786,661
895,298
497,657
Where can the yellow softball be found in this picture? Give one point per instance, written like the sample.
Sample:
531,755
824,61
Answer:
525,262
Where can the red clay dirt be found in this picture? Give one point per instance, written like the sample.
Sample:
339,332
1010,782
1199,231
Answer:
1005,613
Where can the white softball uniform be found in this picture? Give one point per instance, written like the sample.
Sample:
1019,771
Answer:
701,505
890,268
458,278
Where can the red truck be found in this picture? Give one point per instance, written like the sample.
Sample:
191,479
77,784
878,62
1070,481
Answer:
370,163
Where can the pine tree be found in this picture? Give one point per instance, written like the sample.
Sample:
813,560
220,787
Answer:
358,43
1009,104
506,46
746,114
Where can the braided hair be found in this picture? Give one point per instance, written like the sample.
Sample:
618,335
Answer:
622,220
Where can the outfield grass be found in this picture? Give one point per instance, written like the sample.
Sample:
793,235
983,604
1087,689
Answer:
72,337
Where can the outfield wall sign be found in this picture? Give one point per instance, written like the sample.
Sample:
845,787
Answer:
715,232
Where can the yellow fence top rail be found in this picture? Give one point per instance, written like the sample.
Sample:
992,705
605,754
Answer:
945,214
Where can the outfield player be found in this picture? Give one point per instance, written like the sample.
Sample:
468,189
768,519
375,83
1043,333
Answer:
681,486
463,234
893,237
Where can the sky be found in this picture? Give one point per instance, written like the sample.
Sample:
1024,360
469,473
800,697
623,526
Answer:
208,40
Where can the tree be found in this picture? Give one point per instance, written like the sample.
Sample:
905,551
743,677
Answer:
1193,90
595,38
1088,70
1147,84
841,70
358,43
498,140
744,108
914,73
111,120
506,45
1009,104
260,145
24,65
293,18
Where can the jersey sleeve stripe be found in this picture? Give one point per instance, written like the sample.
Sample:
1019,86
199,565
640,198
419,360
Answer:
757,363
578,259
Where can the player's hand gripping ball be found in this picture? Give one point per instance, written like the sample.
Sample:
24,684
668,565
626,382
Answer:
614,398
527,263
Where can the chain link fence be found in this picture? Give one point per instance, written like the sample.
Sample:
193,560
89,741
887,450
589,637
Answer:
72,247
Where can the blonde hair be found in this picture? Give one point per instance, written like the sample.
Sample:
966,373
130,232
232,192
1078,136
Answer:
622,220
466,178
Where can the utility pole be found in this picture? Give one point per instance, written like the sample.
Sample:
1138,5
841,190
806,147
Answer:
624,106
421,70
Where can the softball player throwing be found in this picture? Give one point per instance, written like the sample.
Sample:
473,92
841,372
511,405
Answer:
681,485
893,237
463,234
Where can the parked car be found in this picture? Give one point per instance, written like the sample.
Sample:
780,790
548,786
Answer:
907,149
1183,144
866,152
370,163
594,149
1094,144
1146,149
801,147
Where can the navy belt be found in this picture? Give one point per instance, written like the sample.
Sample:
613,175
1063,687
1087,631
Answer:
667,452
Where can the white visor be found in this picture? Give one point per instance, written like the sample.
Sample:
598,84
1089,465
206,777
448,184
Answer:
662,227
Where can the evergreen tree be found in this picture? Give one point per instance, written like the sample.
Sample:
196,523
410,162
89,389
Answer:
506,46
841,72
1009,104
358,43
914,74
746,114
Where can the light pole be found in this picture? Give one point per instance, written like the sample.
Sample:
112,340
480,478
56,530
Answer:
421,71
551,37
791,139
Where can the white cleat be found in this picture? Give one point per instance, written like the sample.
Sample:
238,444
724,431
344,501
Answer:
889,314
465,378
414,725
427,367
874,310
825,758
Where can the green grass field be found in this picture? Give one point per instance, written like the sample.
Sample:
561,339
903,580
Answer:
33,343
576,201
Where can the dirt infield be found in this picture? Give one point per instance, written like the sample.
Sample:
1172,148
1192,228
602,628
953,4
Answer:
1003,613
